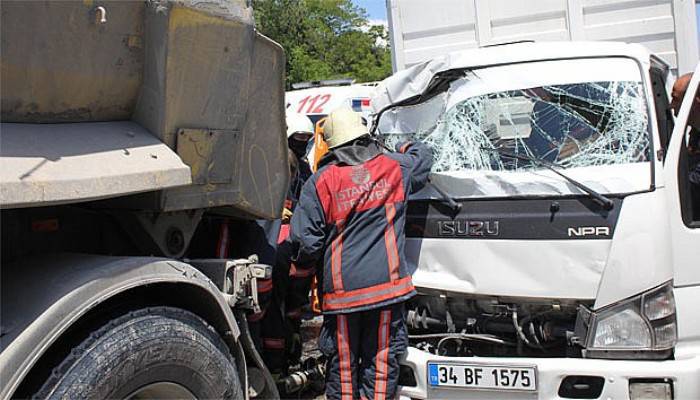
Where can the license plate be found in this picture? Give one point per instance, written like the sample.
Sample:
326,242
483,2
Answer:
482,376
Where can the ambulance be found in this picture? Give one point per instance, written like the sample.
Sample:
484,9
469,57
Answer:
318,98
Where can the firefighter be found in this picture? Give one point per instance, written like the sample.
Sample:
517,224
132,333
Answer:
289,286
350,220
300,130
267,325
295,292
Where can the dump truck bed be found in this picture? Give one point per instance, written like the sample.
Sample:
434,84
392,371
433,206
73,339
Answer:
193,75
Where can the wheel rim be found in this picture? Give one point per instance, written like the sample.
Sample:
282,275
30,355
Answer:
161,390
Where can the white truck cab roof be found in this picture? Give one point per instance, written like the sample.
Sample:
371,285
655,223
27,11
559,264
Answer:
414,80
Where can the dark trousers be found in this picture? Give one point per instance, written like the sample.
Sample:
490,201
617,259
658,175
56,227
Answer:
280,322
363,351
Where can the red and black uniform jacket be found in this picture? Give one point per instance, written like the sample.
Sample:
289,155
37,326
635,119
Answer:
351,216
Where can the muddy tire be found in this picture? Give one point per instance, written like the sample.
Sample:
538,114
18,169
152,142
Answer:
159,352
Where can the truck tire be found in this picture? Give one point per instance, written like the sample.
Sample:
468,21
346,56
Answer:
159,352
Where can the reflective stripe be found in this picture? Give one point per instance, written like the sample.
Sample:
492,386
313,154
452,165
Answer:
390,242
370,295
275,344
381,360
256,317
342,338
264,285
222,244
301,272
284,233
337,257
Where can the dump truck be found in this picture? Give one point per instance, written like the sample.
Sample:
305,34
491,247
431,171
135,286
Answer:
555,251
130,131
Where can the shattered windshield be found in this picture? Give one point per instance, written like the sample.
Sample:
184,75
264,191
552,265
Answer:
574,121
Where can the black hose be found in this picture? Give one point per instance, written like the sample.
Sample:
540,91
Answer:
252,354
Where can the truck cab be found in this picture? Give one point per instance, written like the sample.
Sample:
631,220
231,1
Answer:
555,248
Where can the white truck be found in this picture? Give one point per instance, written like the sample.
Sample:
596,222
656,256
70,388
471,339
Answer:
419,33
557,248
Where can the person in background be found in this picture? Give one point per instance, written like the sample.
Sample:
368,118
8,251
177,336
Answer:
677,94
293,284
267,239
680,86
287,292
300,130
350,220
267,325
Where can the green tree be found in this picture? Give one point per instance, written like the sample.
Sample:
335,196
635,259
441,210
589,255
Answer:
325,39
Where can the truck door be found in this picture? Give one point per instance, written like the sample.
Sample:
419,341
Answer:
682,179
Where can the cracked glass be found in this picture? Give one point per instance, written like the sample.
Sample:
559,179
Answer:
569,125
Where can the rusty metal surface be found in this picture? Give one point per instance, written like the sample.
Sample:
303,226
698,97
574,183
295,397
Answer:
62,163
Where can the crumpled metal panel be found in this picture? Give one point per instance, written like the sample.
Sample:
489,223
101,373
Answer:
414,80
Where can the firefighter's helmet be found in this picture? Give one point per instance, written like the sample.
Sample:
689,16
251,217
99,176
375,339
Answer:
342,126
299,124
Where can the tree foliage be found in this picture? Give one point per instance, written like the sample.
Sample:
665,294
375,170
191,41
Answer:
325,39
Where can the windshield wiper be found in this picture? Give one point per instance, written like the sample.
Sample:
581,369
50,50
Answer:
455,206
605,202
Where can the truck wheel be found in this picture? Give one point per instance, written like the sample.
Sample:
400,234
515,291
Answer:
154,353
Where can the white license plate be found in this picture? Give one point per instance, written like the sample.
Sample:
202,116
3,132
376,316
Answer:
482,376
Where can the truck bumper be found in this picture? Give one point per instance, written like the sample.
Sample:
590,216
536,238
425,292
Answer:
683,373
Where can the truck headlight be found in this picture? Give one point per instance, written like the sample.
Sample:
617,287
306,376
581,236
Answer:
646,322
621,329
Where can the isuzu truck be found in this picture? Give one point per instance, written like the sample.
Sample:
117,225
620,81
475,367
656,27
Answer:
557,247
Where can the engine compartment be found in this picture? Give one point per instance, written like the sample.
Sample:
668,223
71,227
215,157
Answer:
456,325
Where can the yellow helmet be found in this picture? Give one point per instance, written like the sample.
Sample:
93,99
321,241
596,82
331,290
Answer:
342,126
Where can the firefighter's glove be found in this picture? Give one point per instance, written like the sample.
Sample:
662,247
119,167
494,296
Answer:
286,215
